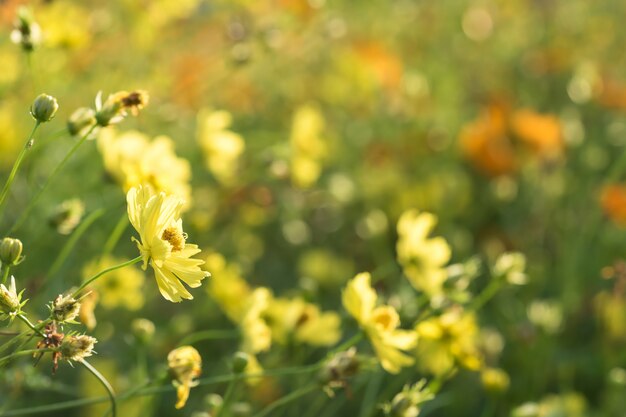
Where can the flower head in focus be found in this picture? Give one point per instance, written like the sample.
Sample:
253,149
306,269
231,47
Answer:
185,364
162,242
379,323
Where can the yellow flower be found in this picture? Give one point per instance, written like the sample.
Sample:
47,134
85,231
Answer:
423,259
257,336
120,288
303,321
184,364
162,242
222,147
132,159
448,340
379,323
227,287
308,147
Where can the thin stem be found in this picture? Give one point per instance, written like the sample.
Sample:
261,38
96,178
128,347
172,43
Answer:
117,232
16,165
157,390
5,274
104,383
209,335
487,294
99,274
286,400
71,242
23,353
347,344
34,200
227,397
29,324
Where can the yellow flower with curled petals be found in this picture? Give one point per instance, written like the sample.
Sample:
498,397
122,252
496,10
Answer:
162,242
185,364
379,323
423,259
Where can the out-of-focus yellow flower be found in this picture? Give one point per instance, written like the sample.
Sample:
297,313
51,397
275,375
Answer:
257,335
448,340
185,364
132,159
303,321
308,147
422,258
156,217
59,22
227,287
379,323
87,308
119,288
222,147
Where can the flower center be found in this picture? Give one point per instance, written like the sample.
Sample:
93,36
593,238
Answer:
175,238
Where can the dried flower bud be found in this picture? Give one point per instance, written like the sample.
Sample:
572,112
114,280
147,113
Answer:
65,308
184,364
10,301
240,362
26,32
117,106
81,121
143,330
10,251
339,368
77,347
44,108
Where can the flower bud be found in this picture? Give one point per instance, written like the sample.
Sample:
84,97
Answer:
76,348
65,308
9,301
143,330
240,362
10,251
26,32
44,108
81,121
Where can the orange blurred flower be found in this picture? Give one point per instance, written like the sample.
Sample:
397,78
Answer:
613,202
541,131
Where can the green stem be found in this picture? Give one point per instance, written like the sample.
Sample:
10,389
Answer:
347,344
117,232
16,165
71,242
157,390
22,353
34,200
286,400
487,294
5,275
209,335
227,397
99,274
104,383
29,324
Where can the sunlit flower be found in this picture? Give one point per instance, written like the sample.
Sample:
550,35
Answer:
448,340
257,335
132,159
422,258
162,242
227,287
222,147
119,288
185,364
303,321
379,323
308,147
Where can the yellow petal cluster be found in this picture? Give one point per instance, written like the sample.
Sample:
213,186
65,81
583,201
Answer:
379,323
423,259
132,159
162,242
448,340
221,146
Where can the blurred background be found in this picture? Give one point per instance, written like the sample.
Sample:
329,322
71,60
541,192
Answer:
309,127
